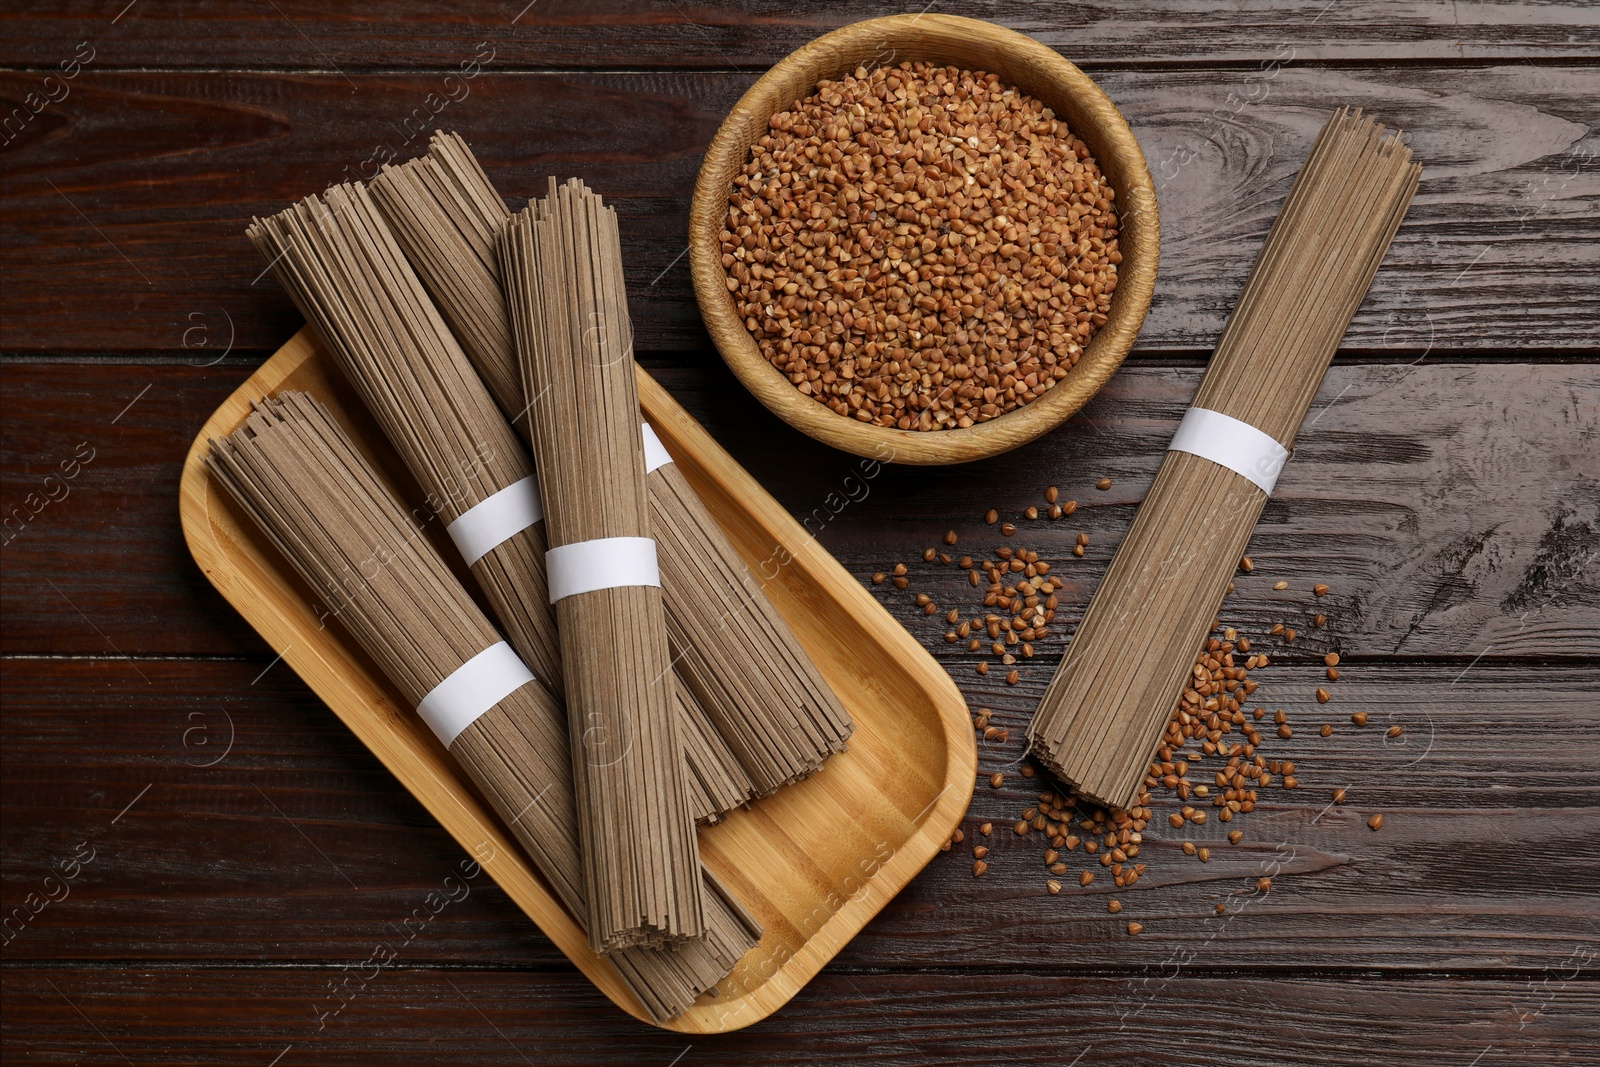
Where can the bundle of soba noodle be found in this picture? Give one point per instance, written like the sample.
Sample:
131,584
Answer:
1121,677
293,469
338,260
732,651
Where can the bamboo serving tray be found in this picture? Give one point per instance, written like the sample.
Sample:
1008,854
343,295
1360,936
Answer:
813,863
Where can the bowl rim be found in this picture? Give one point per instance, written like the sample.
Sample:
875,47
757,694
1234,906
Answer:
1110,139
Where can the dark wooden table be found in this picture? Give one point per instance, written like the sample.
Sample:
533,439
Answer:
198,857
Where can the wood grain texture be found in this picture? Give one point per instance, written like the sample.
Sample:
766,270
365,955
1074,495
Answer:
297,845
756,33
128,571
1452,508
56,1015
155,175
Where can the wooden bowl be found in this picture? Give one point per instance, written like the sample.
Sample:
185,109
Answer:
967,43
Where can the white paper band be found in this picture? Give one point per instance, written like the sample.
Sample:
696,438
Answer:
604,563
655,453
496,518
1233,444
472,689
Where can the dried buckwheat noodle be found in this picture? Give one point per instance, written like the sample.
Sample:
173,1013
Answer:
1116,687
293,469
338,259
737,656
639,847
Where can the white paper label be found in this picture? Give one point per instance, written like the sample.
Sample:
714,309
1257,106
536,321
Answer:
497,518
604,563
472,689
655,453
1233,444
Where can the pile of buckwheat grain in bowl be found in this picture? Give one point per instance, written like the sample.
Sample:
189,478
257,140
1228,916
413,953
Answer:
921,247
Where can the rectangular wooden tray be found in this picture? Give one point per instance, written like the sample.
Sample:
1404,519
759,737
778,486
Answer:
813,862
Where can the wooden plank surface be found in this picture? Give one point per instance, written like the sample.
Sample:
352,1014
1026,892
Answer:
250,858
136,188
256,827
1452,508
410,34
1189,1016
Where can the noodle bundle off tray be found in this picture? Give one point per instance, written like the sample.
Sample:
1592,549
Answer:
813,863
